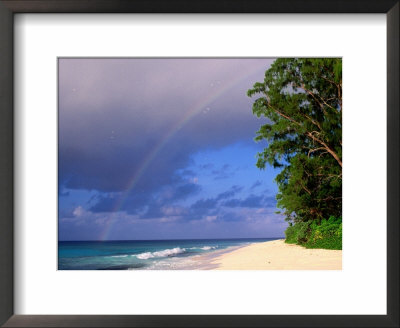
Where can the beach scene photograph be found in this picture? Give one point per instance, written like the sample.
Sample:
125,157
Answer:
199,163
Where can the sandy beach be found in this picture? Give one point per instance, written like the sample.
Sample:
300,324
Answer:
277,255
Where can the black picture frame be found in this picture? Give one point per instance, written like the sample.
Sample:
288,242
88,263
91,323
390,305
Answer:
10,7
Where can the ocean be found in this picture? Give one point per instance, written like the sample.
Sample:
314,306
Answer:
146,254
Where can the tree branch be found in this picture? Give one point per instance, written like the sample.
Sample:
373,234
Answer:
313,150
339,87
312,121
313,95
283,115
328,149
310,134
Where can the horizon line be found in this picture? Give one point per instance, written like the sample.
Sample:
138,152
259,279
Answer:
97,240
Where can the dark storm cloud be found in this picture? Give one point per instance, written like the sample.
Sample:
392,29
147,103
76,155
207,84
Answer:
204,203
207,166
122,123
222,211
256,184
225,172
137,201
230,217
215,206
196,211
66,212
252,201
104,203
202,209
184,191
229,193
188,173
164,207
270,201
149,206
63,193
166,198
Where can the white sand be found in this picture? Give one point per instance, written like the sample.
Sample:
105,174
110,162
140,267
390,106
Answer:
277,255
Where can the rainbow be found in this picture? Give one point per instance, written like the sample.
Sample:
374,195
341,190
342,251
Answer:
190,114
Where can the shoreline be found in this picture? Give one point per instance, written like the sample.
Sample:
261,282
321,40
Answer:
205,261
272,254
275,255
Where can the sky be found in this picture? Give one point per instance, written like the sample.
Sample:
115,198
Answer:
162,148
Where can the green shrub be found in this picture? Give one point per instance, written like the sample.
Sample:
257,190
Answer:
298,233
291,235
326,234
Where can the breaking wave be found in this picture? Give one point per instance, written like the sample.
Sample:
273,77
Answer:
205,248
164,253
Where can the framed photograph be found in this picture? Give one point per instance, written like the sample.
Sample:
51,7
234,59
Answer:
206,205
191,164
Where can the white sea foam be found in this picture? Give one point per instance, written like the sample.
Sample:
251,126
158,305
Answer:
119,255
205,248
164,253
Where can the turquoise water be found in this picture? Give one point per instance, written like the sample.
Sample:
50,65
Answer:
144,254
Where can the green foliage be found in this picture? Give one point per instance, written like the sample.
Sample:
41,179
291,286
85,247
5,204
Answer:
301,98
327,234
298,233
291,234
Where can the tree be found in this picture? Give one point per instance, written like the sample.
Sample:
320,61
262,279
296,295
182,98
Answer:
302,100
